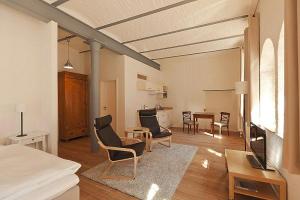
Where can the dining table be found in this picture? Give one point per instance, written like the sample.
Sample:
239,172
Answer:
204,115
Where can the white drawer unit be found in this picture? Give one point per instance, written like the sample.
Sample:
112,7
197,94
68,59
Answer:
164,118
31,138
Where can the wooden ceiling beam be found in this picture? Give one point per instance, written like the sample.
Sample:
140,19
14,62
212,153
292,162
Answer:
194,43
196,53
187,29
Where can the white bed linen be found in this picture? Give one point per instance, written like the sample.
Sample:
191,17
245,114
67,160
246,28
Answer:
49,191
24,169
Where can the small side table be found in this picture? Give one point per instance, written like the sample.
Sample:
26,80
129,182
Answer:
138,131
31,138
239,169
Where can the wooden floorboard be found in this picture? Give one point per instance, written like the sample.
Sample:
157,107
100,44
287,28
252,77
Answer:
205,178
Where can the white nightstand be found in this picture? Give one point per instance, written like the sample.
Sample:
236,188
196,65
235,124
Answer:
31,138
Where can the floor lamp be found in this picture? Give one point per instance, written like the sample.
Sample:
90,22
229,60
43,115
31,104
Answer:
241,88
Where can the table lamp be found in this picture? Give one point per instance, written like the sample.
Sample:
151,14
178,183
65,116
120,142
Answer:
241,88
20,108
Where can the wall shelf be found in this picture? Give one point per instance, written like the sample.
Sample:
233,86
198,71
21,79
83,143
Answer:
221,90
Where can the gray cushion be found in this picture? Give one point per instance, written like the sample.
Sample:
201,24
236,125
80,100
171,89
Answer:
106,134
148,119
109,138
148,112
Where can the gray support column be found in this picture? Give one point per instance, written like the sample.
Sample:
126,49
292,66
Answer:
94,90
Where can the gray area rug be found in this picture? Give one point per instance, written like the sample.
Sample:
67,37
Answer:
158,173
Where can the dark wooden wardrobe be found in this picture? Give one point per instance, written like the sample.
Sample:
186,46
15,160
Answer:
73,100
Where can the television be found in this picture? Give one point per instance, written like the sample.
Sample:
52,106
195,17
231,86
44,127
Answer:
258,147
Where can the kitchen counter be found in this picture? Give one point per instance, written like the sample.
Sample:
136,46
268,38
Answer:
165,108
161,109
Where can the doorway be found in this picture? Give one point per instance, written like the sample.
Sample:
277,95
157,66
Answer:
108,100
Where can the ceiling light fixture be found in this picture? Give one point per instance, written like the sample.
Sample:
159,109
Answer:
68,64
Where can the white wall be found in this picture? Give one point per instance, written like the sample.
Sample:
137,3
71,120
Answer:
124,70
28,74
187,77
135,99
271,21
112,68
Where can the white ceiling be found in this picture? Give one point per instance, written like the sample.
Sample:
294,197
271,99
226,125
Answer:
101,12
229,43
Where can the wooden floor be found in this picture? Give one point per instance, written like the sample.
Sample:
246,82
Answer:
205,178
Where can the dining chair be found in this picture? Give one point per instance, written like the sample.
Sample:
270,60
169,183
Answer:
224,122
187,121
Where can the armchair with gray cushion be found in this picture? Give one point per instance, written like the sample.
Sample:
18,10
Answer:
118,149
157,133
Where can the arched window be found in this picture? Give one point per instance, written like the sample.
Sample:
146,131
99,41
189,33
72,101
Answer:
268,86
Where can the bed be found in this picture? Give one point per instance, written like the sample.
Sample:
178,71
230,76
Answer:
31,174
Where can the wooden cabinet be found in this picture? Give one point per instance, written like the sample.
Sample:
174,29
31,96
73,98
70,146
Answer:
72,105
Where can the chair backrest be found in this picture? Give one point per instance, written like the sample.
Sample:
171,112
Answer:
106,134
186,115
225,116
148,119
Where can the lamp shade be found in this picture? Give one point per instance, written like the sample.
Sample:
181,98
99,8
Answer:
241,87
68,65
20,107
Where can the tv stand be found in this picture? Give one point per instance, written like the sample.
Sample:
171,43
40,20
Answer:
249,181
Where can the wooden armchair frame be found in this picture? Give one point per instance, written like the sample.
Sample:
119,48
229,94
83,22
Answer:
152,140
135,158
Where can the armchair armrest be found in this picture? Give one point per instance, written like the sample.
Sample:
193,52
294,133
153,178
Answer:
121,149
127,141
166,129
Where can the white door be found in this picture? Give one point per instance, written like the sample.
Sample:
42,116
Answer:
108,100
